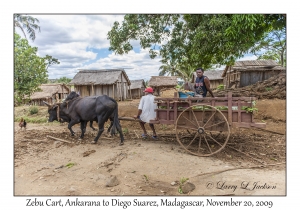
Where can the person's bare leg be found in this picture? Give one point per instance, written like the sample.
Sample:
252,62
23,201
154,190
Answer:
142,124
153,129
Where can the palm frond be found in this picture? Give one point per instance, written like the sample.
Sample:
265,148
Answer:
27,22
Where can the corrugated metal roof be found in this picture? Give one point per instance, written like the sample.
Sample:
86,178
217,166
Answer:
258,68
254,65
156,81
269,63
98,77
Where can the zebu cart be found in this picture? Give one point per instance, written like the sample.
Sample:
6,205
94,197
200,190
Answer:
203,125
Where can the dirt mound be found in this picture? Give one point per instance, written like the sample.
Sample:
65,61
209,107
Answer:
274,87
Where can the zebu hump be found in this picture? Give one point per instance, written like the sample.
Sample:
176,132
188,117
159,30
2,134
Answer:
106,101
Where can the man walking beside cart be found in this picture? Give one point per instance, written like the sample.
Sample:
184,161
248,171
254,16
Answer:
146,112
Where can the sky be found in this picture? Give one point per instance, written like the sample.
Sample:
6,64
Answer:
80,42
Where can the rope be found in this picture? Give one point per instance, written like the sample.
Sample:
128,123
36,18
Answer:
57,111
67,102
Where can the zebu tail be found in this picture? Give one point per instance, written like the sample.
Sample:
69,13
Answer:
115,118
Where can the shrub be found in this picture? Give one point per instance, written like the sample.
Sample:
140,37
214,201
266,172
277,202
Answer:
33,110
221,87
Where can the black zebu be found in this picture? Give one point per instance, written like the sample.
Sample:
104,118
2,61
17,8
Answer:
65,118
91,108
55,113
62,117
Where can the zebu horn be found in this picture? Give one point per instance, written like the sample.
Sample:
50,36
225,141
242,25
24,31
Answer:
47,104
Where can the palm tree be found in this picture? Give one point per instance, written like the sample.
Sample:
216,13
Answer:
184,70
167,69
186,73
146,83
27,22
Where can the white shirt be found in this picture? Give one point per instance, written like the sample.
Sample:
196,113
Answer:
147,106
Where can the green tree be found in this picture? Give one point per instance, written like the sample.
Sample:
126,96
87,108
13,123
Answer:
272,47
28,23
50,61
64,80
30,70
201,40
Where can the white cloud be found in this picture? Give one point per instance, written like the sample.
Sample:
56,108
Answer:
89,29
248,57
73,39
67,38
137,65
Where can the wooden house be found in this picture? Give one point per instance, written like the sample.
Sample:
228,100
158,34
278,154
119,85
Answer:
162,82
50,93
244,73
214,76
137,88
111,82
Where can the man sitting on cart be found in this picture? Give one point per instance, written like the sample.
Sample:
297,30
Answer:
146,112
202,84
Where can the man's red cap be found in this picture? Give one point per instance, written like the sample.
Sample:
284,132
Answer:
149,90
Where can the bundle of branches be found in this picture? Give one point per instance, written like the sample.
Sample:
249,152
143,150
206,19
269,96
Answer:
274,87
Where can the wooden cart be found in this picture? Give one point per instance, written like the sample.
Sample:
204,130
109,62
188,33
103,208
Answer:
203,125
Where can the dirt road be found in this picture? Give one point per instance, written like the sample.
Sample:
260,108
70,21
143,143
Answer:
44,166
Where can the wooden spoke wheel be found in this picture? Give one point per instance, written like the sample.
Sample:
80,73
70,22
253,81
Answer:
202,130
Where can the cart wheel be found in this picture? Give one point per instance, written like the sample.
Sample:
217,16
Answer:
209,126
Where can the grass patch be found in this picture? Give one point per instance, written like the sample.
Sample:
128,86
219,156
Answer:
146,177
36,119
181,183
31,114
164,127
125,131
70,165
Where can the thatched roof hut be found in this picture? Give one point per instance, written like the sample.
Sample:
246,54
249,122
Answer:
137,87
50,93
112,82
214,76
244,73
99,77
162,82
140,83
